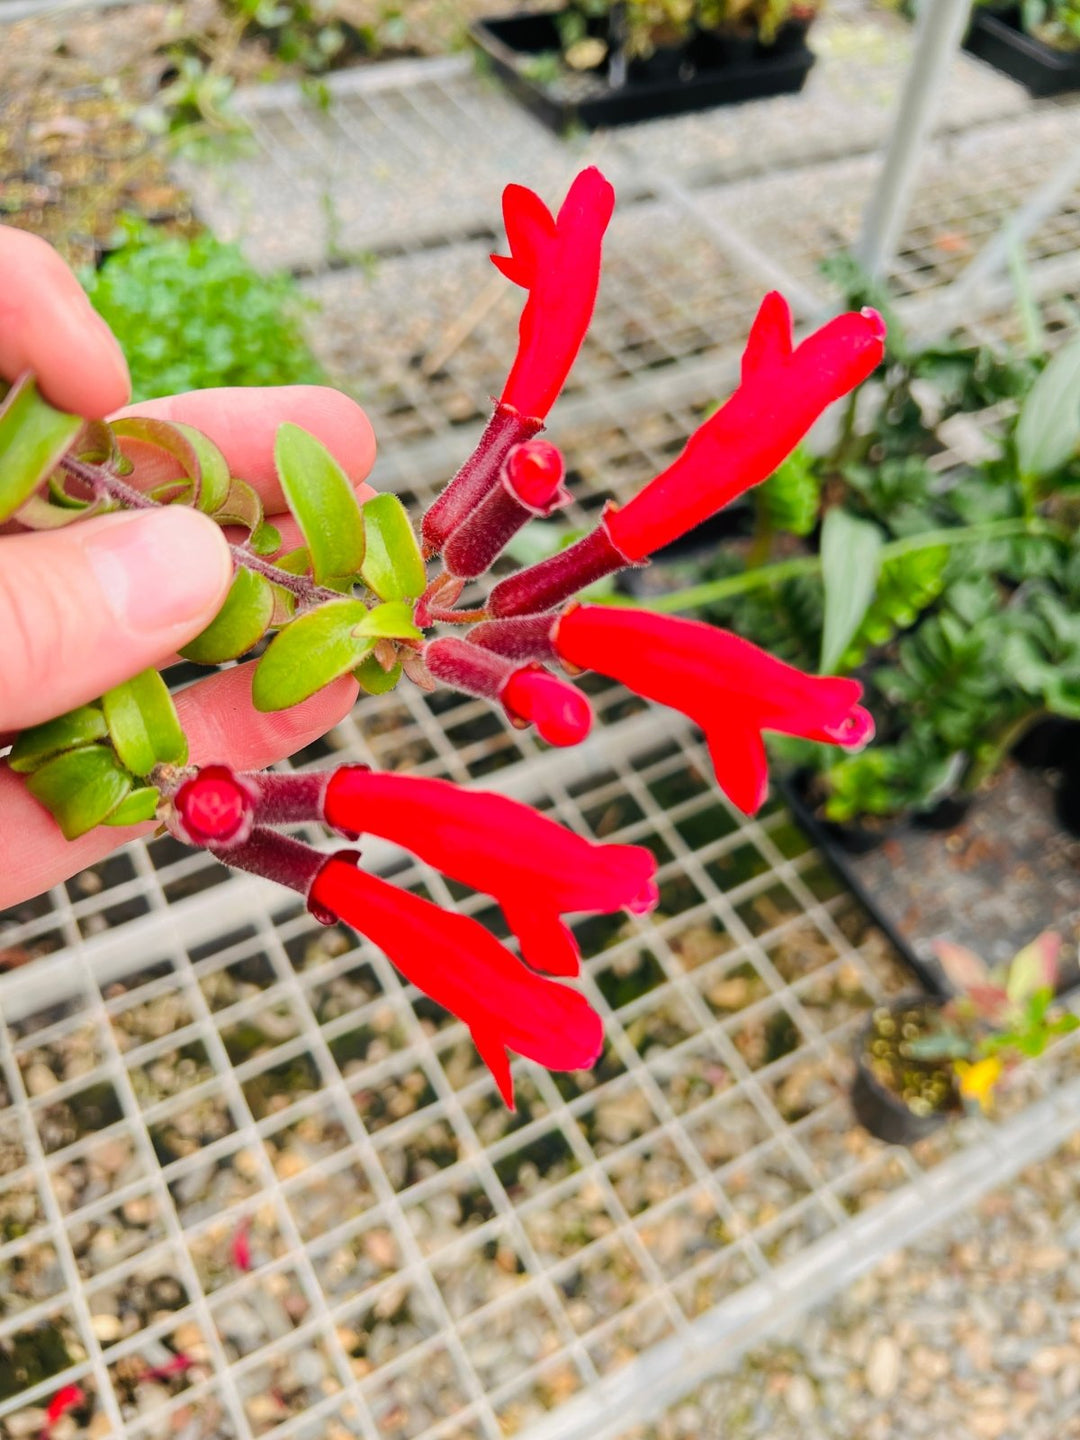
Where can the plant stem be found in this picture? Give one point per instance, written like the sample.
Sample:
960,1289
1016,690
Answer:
713,590
104,485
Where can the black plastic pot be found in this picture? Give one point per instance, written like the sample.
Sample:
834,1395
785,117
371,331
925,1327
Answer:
880,1111
700,81
996,37
836,843
667,65
945,815
1051,744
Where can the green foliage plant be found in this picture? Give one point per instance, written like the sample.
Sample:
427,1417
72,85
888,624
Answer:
953,594
193,312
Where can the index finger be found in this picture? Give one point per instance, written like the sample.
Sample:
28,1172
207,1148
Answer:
243,421
47,325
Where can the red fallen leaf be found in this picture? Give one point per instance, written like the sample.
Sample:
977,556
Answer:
65,1399
241,1246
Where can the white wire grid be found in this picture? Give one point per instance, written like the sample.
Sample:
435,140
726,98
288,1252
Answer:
198,1060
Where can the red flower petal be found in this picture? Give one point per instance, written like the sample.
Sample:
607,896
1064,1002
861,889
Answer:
465,969
558,262
729,687
536,870
782,393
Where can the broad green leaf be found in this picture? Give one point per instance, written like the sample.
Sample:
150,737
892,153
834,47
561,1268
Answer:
240,623
371,676
313,650
323,501
33,439
201,482
81,788
143,723
241,506
296,562
392,621
393,566
137,806
213,469
850,560
1048,430
68,732
41,514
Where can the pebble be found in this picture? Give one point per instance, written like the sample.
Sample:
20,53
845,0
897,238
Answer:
883,1367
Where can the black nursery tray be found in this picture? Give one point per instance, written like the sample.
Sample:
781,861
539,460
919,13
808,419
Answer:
992,882
998,39
513,43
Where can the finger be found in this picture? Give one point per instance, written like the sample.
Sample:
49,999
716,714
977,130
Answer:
47,325
221,724
244,422
85,608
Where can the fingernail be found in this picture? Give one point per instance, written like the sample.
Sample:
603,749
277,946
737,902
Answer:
159,569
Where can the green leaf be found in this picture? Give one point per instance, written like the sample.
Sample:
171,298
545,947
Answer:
371,676
205,475
143,723
323,501
240,623
137,806
393,565
69,732
241,506
1048,430
850,560
1034,969
392,621
81,788
213,469
309,653
33,439
265,539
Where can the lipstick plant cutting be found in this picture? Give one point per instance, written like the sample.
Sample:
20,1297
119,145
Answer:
365,596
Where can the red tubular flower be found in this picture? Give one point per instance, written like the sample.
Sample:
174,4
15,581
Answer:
455,961
557,260
782,393
528,694
214,808
729,687
534,868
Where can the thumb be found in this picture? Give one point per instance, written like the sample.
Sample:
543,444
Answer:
83,609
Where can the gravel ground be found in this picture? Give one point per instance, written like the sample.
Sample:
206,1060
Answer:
971,1334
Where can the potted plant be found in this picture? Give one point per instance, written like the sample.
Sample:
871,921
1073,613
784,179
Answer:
1036,42
921,1059
607,62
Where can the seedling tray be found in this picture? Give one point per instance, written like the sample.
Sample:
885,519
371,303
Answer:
588,100
1005,872
999,41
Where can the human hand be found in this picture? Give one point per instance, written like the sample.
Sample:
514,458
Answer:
85,608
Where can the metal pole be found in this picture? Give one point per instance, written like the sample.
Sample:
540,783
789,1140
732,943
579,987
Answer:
941,28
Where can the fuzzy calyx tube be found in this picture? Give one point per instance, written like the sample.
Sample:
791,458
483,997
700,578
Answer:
528,694
478,476
559,577
530,484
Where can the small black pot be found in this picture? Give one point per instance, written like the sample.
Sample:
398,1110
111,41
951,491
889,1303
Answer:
876,1107
945,815
1051,744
